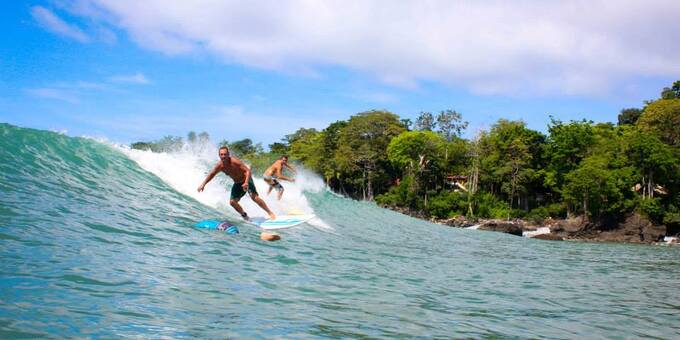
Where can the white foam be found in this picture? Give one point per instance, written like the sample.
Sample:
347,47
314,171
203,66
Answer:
184,170
670,239
538,231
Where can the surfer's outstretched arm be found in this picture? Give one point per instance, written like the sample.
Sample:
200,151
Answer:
290,167
279,175
286,178
210,176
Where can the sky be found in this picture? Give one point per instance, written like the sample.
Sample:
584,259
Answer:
139,70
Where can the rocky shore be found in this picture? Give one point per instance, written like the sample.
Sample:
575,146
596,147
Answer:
633,229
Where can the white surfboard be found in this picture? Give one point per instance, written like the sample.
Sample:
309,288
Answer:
281,221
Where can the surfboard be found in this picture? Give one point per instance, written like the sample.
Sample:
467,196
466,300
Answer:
225,226
281,221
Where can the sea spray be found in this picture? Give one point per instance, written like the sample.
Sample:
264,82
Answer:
186,168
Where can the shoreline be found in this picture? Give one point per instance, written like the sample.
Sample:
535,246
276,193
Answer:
634,228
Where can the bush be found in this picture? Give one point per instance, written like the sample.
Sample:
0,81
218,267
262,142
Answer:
488,206
653,209
398,196
517,213
672,220
540,214
447,204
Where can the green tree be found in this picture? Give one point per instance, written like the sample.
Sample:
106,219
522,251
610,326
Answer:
419,154
425,122
629,116
329,140
407,123
509,150
451,124
566,146
278,148
672,92
362,148
244,147
305,146
596,190
653,160
662,117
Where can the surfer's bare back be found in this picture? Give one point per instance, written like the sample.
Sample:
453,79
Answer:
243,182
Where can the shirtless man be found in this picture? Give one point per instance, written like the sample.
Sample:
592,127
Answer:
243,182
275,173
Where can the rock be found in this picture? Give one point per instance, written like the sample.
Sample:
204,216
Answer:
572,225
503,227
459,222
635,229
549,237
269,237
653,233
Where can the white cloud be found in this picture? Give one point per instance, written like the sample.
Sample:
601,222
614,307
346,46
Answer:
72,91
54,93
53,23
519,47
137,78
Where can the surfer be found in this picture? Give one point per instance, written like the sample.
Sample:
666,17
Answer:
275,173
243,182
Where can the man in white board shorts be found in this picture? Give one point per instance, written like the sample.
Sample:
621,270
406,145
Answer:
275,173
243,182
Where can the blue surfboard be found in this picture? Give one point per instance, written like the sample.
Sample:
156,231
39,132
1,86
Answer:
225,226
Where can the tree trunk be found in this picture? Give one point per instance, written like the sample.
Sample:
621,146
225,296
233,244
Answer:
650,180
363,186
585,205
370,186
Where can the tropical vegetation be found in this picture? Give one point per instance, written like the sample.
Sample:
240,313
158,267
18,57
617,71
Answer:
601,171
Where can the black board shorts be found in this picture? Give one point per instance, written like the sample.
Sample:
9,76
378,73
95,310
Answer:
237,190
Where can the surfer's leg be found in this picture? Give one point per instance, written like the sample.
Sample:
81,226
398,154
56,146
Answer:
236,194
255,197
238,208
269,181
279,188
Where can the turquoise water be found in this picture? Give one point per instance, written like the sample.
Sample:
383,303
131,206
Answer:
93,244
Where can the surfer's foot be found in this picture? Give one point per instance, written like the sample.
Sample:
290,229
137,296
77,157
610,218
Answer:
245,216
272,216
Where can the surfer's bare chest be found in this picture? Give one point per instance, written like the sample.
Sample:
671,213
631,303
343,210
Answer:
233,171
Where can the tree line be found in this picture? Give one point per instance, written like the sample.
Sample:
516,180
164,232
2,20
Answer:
601,171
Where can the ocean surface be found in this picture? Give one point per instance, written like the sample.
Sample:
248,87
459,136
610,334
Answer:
96,240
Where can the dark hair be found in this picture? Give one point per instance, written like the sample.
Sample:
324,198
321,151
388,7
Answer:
284,156
224,147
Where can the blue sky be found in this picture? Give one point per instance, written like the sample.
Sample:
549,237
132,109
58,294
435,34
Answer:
131,71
